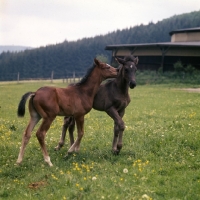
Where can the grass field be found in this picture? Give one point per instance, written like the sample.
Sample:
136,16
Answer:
160,158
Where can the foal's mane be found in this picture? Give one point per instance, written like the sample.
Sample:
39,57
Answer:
129,58
84,79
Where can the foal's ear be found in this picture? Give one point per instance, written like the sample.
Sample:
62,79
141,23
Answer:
136,60
120,60
97,62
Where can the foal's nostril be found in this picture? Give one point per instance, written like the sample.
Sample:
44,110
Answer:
132,84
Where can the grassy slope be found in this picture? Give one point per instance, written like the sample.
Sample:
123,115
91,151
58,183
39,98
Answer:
161,151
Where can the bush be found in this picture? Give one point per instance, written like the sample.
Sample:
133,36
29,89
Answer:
178,67
189,69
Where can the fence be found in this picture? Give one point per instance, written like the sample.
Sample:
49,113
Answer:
68,77
146,77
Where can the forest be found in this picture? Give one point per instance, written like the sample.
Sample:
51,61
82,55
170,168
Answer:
70,57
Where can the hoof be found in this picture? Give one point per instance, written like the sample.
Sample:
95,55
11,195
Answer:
115,152
57,148
18,163
119,147
70,152
67,156
48,161
49,164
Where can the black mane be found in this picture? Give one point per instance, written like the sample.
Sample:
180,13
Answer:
84,79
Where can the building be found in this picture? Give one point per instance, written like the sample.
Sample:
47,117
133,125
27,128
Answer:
184,47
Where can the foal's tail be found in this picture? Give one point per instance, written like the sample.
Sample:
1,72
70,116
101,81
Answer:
21,106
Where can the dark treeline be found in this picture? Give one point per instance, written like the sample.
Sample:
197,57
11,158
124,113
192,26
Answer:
78,55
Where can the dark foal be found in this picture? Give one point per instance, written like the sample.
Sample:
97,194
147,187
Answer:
49,102
112,97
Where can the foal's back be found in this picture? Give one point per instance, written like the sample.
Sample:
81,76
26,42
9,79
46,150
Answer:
61,101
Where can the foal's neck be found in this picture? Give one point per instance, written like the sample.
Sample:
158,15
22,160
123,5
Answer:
122,84
93,82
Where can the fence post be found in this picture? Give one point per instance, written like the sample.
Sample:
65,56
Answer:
66,78
18,77
52,77
74,76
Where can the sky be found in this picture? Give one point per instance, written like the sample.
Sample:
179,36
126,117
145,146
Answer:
36,23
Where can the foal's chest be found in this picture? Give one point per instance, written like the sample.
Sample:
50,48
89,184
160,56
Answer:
121,103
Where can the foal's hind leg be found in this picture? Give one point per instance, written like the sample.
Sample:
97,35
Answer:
71,131
64,130
68,122
41,138
80,130
27,134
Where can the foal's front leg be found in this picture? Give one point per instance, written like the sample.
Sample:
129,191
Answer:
118,129
121,131
80,130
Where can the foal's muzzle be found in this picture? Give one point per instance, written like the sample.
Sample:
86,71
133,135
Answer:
132,84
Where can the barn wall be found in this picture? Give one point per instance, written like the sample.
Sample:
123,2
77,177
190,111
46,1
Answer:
185,37
151,51
183,51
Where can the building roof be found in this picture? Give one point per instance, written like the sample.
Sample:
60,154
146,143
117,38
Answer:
188,30
175,44
160,44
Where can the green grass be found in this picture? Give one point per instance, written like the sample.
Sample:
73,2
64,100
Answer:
161,150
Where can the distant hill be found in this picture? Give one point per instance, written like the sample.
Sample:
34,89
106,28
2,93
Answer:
11,48
76,56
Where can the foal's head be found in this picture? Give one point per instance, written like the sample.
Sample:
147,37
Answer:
128,69
106,70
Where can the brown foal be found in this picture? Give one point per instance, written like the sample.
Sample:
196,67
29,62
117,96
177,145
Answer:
75,100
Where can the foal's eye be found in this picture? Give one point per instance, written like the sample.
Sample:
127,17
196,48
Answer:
108,66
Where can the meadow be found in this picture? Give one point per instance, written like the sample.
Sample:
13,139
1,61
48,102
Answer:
160,158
